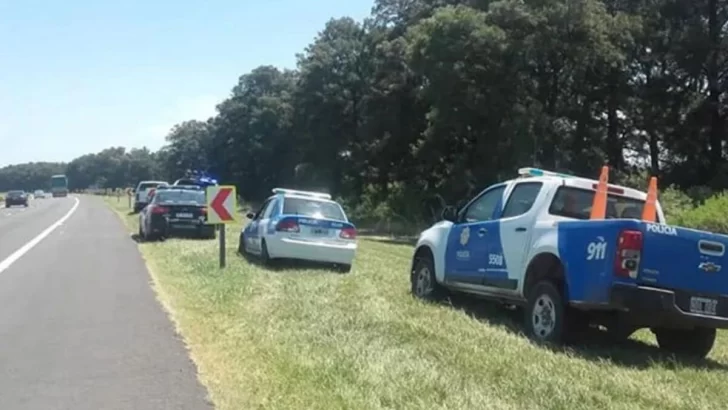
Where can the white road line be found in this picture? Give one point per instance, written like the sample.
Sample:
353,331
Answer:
35,241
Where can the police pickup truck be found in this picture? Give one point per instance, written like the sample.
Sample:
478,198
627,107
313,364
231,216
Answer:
576,252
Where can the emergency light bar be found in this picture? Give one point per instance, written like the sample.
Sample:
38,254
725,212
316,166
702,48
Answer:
302,193
537,172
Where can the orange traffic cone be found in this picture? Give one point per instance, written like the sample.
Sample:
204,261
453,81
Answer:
649,212
599,206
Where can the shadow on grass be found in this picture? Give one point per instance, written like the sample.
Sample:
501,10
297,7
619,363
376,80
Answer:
138,239
404,240
593,345
287,265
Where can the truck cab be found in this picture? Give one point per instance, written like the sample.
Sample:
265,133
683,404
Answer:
534,241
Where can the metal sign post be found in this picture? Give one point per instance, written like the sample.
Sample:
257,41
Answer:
221,210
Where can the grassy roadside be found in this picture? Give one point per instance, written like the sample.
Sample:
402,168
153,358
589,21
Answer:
307,338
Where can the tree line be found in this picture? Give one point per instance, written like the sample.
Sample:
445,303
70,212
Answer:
427,101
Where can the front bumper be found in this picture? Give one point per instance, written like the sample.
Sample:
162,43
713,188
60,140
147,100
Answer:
654,307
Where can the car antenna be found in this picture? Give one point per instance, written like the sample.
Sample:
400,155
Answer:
599,206
649,212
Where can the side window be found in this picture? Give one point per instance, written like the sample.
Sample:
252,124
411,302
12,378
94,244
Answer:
521,199
269,210
483,208
261,210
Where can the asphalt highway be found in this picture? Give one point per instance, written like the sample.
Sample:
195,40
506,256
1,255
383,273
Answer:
80,326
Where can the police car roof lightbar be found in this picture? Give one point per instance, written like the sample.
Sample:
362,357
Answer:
537,172
303,193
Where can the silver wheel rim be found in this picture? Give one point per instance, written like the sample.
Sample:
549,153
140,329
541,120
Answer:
543,316
423,285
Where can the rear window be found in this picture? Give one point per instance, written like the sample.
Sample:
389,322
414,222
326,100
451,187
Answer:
576,203
147,185
174,196
15,193
313,208
185,182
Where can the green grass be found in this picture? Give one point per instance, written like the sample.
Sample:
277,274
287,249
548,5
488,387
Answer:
307,338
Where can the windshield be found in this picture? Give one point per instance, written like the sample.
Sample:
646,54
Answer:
179,196
576,203
58,181
313,208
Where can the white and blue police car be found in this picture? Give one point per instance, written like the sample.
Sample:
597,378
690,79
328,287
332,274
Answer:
300,225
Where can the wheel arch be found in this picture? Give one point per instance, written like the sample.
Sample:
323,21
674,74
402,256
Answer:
546,265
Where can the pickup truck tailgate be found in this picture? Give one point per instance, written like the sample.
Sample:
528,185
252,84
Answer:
684,259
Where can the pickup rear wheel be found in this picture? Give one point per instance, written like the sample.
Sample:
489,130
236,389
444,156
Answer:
544,314
423,281
696,342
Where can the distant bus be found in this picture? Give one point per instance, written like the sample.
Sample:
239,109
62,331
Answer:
59,186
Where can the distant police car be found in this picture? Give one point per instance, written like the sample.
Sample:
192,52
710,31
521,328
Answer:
300,225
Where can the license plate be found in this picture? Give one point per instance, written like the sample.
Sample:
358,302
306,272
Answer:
184,215
319,231
703,306
183,226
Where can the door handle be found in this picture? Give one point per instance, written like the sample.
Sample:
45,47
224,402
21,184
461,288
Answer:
520,229
482,231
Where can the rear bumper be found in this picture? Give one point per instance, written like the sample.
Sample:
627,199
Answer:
14,202
163,226
311,251
653,307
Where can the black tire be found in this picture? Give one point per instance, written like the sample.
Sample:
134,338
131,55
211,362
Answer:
241,245
423,282
695,343
343,268
140,233
544,313
264,256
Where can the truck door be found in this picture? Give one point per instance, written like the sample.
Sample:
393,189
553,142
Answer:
508,252
466,255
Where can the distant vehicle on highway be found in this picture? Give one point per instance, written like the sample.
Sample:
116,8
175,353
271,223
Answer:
16,198
300,225
59,185
39,193
141,193
175,211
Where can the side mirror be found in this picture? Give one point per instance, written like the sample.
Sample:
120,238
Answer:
450,213
250,215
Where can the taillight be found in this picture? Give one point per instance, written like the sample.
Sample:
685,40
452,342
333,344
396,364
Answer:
348,233
629,252
160,210
287,225
203,210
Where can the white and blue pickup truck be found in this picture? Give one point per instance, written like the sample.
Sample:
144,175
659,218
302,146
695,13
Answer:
530,242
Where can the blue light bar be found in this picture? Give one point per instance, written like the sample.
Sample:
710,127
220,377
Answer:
537,172
302,193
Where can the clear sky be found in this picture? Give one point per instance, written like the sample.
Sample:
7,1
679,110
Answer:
78,76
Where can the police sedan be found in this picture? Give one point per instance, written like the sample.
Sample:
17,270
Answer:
300,225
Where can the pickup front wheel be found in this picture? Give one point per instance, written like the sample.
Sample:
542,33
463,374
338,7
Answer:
545,313
423,283
696,342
